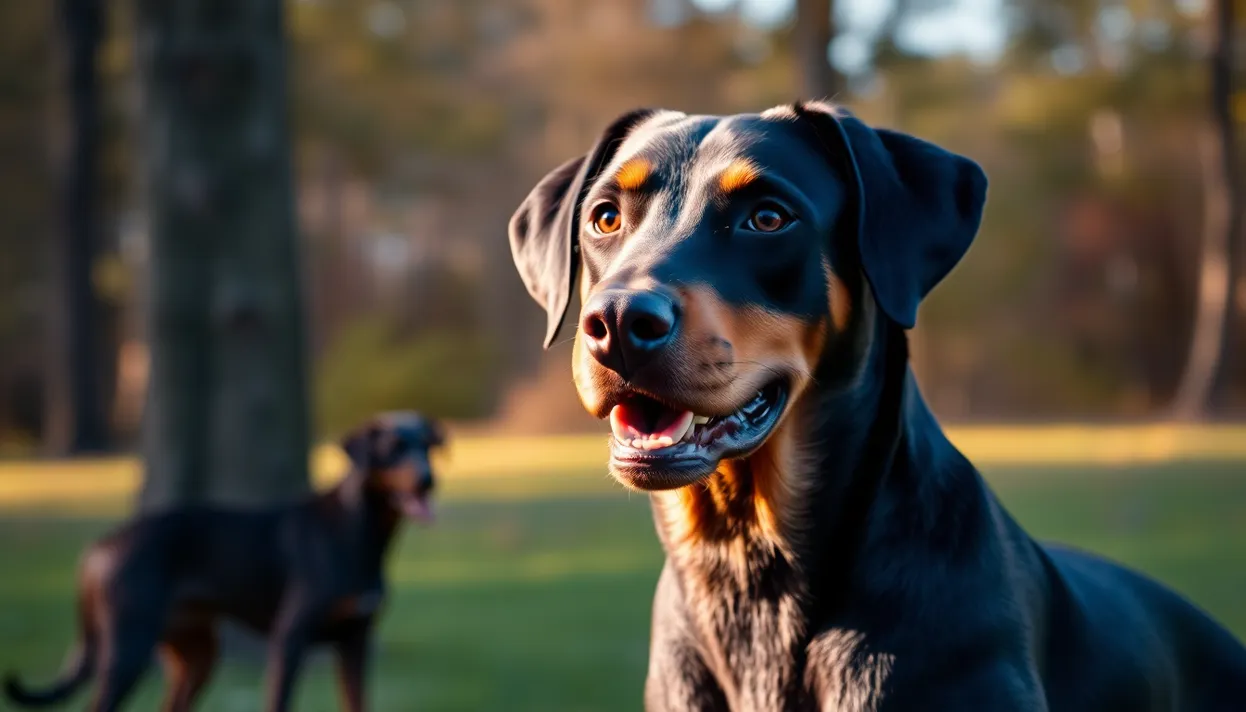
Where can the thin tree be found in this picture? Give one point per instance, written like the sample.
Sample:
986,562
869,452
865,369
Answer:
76,418
815,28
226,416
1207,366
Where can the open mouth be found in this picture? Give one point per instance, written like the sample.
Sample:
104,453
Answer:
416,507
659,447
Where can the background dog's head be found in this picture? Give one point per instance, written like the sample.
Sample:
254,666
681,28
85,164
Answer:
722,258
391,456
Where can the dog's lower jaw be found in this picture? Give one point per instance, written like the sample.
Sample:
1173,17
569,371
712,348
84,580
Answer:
654,480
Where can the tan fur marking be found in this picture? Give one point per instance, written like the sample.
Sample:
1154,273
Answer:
814,342
586,289
633,174
777,341
397,479
738,174
754,494
840,302
773,473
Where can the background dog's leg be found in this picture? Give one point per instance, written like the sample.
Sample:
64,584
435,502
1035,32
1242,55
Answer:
285,655
123,661
188,655
352,661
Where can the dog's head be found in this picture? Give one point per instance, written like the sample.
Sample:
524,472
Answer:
724,260
391,456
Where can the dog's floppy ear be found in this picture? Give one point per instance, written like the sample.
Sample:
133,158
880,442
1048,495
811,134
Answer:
543,231
918,207
367,444
357,444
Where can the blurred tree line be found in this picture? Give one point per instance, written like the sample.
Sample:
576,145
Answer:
419,125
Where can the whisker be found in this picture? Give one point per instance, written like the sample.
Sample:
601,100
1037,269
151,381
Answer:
772,369
561,342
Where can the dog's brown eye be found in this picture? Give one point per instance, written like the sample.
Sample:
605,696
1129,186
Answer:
768,218
606,219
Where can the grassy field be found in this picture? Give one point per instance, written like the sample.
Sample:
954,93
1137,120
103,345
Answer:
532,592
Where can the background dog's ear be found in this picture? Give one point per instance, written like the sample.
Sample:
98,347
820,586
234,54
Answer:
544,230
367,445
919,208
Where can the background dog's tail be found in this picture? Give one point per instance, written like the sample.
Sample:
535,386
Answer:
76,673
77,670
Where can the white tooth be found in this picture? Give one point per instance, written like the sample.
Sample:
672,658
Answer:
691,425
700,419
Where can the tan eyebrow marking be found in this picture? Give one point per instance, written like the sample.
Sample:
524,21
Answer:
633,174
740,173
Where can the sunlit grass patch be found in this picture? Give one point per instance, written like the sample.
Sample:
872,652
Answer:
522,467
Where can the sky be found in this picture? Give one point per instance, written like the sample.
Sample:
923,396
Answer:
973,27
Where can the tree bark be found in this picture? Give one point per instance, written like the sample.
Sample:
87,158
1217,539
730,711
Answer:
226,414
77,420
815,28
1204,381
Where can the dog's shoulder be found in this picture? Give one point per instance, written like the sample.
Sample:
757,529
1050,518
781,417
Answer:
949,586
1132,632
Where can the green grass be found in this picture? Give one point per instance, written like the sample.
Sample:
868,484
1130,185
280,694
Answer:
533,592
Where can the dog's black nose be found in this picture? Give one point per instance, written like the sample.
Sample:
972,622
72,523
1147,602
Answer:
623,329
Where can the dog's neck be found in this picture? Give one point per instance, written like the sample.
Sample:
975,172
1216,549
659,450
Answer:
368,512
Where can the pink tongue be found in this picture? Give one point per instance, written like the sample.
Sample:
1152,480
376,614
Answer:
627,420
417,508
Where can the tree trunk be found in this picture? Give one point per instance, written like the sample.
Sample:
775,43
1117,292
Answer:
226,414
1205,378
76,419
815,28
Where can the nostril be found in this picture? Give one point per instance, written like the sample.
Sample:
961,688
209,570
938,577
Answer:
596,327
649,328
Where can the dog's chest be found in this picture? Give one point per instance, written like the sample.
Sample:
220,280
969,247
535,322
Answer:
758,650
766,660
752,631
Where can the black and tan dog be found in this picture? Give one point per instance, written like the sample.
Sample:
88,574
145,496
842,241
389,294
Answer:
304,574
746,285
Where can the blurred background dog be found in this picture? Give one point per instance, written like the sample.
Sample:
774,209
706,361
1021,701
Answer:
303,574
